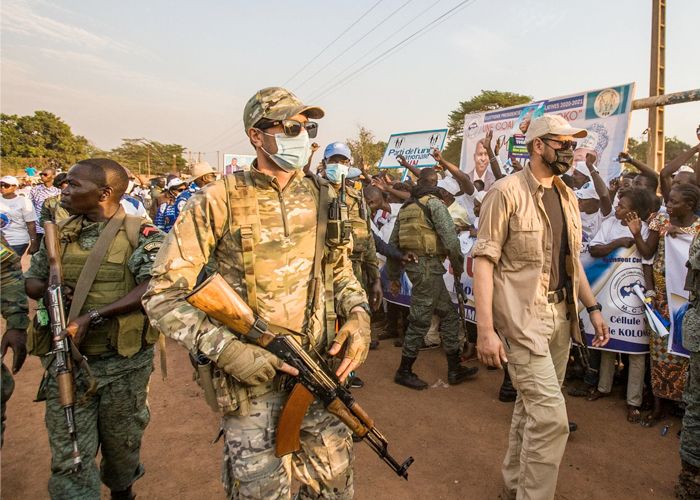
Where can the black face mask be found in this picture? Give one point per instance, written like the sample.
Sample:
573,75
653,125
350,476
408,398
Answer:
563,161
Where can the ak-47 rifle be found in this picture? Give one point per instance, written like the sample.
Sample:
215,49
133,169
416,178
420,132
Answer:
61,348
216,298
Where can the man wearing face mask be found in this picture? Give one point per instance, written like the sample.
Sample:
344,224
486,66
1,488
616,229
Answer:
527,283
337,158
261,228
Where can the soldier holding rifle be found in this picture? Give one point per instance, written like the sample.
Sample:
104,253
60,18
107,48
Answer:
268,232
98,262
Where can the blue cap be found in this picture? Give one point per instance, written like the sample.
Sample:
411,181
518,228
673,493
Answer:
354,172
337,148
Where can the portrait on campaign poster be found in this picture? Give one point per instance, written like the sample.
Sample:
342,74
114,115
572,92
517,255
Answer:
234,163
603,113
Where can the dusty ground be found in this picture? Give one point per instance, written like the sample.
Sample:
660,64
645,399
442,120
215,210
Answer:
457,435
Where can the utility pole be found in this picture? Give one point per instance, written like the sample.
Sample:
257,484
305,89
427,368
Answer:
657,85
148,158
174,162
139,168
199,157
190,160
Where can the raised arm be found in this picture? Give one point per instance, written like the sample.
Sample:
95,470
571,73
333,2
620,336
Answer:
411,168
673,166
381,184
493,160
600,188
465,183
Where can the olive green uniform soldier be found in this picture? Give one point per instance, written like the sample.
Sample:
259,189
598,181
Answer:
688,486
261,228
425,226
110,330
15,309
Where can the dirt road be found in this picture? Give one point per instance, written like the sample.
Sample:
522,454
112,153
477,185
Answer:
457,435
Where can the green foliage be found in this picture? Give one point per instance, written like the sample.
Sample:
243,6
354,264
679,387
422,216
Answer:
488,100
363,146
41,136
674,148
133,152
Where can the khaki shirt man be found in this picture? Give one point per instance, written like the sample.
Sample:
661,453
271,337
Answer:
527,283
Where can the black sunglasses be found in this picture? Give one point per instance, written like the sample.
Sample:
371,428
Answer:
44,175
6,185
564,144
292,128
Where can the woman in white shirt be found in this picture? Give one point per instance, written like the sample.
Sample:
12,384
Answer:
17,216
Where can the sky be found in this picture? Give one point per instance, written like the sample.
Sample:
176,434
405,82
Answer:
181,72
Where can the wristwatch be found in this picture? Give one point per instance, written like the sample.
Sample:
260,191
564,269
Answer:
596,307
95,318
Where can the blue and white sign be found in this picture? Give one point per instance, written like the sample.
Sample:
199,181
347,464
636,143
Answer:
415,147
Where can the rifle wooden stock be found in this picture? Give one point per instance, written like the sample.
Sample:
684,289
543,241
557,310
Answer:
219,301
53,250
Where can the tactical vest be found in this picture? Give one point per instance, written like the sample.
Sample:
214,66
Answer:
126,333
360,232
416,231
234,398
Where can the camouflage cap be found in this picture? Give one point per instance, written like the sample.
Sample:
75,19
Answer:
276,103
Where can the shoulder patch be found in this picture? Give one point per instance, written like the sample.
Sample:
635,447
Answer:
148,229
153,245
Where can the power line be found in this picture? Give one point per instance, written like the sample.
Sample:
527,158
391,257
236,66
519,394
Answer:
351,46
398,47
217,138
329,45
323,87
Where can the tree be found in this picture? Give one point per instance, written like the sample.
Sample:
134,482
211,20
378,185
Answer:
363,146
674,148
41,136
134,155
488,100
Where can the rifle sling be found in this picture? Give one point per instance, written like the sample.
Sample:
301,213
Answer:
93,263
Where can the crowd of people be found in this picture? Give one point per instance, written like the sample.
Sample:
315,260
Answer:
324,257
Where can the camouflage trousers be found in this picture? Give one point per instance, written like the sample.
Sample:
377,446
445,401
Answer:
690,437
8,387
323,465
429,296
114,420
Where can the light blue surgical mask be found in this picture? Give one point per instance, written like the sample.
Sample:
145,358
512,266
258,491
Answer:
293,153
336,171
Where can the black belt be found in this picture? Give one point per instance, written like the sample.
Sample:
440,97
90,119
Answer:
556,296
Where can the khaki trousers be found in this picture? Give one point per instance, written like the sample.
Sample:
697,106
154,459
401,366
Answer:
540,426
635,380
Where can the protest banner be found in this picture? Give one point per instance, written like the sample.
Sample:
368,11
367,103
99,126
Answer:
676,256
612,280
604,113
234,163
414,146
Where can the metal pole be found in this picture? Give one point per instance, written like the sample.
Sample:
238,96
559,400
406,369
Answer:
667,99
657,84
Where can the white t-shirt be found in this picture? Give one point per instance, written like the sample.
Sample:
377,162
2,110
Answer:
466,201
612,229
15,213
590,224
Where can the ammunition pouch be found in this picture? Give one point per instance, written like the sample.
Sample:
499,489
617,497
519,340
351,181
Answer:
39,332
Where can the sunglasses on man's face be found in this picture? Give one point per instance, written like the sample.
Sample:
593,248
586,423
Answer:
292,128
564,144
3,185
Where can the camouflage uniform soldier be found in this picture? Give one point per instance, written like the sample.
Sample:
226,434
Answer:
425,226
261,229
688,486
14,309
110,329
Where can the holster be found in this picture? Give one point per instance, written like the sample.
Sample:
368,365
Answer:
204,376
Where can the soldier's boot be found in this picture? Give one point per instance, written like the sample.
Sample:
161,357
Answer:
688,485
456,373
405,375
507,394
126,494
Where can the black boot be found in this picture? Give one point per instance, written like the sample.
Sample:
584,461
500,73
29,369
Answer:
126,494
456,373
688,485
405,376
507,394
